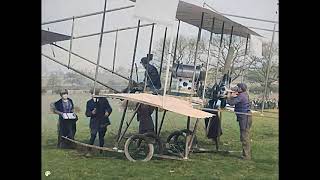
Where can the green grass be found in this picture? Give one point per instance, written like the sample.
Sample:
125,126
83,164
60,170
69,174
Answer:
72,164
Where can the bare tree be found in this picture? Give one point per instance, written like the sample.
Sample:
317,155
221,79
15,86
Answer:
184,54
258,74
54,81
186,51
74,78
240,62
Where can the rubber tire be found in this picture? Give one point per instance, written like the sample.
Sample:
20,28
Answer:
180,132
175,133
138,136
157,139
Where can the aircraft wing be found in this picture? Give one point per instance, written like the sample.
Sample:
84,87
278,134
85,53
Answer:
168,103
48,37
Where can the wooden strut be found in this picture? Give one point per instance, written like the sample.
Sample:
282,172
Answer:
188,123
189,140
162,53
177,154
208,59
202,150
128,123
167,157
156,120
196,52
149,52
174,54
70,46
193,134
91,146
53,59
115,50
249,114
163,116
109,70
99,48
130,84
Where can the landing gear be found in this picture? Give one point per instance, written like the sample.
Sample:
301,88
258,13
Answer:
177,141
156,141
138,148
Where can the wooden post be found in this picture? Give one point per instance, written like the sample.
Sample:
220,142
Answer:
193,134
128,124
164,114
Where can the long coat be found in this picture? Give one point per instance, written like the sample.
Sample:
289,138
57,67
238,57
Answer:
98,120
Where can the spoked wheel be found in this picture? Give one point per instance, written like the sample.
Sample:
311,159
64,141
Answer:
195,140
138,148
156,141
177,141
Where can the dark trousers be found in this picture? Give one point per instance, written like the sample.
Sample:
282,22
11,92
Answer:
101,132
245,122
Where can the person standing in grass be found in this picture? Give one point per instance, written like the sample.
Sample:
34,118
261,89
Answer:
66,127
145,119
240,99
99,110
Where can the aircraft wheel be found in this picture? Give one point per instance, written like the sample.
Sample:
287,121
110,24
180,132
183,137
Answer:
156,141
138,148
177,140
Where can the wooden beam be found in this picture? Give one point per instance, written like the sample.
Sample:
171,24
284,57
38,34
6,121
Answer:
167,157
120,151
92,146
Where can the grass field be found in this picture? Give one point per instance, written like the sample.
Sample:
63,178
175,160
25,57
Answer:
72,164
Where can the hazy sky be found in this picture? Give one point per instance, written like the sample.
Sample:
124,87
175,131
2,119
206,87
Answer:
88,47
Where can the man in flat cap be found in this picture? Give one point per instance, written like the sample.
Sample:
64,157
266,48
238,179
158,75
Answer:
240,98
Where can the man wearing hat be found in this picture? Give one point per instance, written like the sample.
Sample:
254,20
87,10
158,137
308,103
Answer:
66,127
99,110
240,98
151,75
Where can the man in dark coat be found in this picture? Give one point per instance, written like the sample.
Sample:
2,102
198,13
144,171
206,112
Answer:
151,75
66,127
144,117
99,110
241,101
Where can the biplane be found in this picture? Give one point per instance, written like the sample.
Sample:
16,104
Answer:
189,96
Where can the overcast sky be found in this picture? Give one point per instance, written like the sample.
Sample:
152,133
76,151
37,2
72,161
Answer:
88,47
